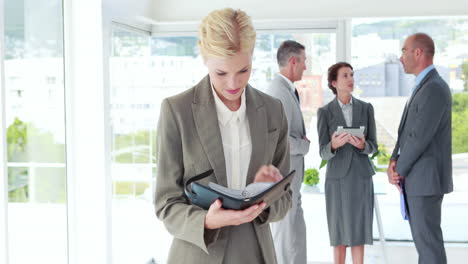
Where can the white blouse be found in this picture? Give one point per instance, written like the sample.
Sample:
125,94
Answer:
237,144
347,110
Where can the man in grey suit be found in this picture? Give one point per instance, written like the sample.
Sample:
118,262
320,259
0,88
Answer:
422,159
289,234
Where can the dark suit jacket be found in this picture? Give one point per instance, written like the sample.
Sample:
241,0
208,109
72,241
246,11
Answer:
425,139
329,117
189,143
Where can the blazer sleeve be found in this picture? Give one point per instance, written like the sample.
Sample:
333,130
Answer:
423,127
183,221
371,139
324,135
395,153
297,146
281,160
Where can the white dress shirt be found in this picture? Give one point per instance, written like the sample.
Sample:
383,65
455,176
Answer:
347,110
237,144
419,79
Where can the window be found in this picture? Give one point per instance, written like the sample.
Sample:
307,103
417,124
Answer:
380,79
145,70
143,74
37,216
320,51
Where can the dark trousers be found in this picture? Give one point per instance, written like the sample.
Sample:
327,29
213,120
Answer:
424,219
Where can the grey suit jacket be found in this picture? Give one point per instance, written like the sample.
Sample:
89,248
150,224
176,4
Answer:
189,143
425,139
279,88
289,234
329,117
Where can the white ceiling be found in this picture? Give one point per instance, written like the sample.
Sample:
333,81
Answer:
194,10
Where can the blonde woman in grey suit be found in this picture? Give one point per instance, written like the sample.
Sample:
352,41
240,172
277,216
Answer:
349,191
224,124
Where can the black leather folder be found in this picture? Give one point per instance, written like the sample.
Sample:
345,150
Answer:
204,196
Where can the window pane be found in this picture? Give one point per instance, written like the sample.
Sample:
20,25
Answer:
320,49
172,65
134,102
37,222
380,79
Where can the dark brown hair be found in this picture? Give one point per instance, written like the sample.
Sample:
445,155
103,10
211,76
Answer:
333,73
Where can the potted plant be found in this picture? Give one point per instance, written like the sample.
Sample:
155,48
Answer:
311,179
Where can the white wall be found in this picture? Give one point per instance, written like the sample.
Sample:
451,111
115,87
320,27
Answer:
190,10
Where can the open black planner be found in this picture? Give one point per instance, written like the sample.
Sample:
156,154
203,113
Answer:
254,193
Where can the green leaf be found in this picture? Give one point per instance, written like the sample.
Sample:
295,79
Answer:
376,154
323,163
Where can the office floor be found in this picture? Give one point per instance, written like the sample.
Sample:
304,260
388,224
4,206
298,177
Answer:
404,252
319,250
138,236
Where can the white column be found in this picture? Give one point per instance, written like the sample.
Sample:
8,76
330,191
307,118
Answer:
88,173
343,40
3,155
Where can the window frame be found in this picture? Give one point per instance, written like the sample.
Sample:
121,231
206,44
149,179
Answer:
4,252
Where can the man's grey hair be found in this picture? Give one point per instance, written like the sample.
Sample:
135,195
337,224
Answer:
288,49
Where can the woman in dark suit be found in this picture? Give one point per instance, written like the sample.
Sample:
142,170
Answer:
349,191
224,124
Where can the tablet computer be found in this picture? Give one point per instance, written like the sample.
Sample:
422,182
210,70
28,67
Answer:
355,131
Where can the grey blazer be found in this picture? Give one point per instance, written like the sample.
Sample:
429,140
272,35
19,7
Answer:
425,139
329,117
279,88
189,143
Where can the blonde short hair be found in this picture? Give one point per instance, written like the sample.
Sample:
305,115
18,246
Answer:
225,32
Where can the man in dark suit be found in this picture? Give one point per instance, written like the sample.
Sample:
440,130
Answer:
422,159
